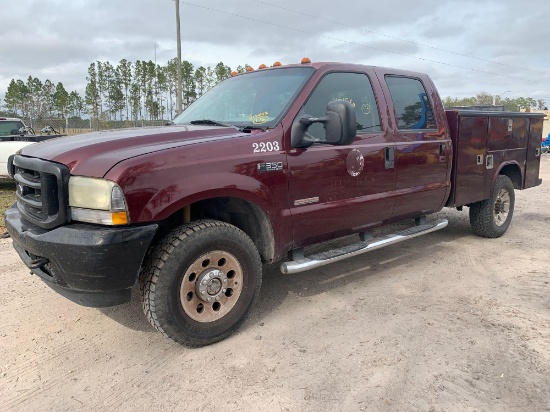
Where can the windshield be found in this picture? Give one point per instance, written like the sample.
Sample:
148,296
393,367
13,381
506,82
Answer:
256,99
9,127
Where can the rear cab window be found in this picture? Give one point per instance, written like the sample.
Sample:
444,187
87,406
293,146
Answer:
10,127
412,106
354,88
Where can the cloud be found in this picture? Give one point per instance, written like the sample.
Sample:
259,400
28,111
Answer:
58,39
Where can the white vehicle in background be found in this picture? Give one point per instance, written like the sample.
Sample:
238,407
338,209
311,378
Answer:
14,135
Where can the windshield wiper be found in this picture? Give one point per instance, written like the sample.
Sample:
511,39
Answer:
249,127
210,122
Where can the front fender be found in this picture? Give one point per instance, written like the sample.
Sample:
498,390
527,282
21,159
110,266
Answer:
172,198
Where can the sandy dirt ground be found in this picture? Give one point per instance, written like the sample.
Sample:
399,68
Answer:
444,322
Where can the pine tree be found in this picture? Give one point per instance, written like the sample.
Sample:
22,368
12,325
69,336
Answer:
188,81
12,97
76,104
61,100
48,90
200,81
222,72
92,97
124,70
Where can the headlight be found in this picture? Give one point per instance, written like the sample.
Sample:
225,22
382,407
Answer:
97,201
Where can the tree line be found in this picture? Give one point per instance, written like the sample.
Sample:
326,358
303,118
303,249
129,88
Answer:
140,90
486,99
144,90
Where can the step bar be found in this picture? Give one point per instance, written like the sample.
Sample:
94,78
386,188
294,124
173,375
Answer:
321,259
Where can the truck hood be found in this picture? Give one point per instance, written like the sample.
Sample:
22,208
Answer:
93,154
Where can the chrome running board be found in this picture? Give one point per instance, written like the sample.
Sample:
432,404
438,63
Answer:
335,255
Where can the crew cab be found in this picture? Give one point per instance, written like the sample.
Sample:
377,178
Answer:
265,164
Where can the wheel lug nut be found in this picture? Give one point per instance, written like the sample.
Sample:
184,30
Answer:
203,292
223,290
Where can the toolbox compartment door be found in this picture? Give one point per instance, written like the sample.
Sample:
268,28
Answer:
469,135
532,164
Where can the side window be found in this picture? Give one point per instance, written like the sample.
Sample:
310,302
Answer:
352,87
412,106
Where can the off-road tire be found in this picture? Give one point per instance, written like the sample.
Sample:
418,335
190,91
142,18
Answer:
482,214
166,269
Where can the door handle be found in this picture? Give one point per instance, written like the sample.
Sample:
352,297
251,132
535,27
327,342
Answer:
389,157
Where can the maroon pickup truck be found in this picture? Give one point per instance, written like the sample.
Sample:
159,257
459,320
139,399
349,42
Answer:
262,166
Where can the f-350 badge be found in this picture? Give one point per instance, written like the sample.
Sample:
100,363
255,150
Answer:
355,162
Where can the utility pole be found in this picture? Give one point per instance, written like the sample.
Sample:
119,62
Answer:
156,82
179,106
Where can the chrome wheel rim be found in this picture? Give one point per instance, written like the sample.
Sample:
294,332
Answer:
211,286
502,207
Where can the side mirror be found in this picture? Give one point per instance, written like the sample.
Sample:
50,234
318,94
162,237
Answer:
340,125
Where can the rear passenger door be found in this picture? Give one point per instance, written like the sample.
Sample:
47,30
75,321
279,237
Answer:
423,146
338,190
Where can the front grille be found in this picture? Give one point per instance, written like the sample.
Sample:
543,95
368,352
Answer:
42,189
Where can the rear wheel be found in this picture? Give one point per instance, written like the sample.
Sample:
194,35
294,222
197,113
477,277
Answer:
491,217
199,283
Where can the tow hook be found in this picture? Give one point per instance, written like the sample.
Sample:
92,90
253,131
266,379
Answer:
38,263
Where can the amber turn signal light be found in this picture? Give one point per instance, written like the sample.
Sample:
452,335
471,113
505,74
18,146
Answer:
119,218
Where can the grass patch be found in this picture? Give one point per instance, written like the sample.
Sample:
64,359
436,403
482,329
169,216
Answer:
7,198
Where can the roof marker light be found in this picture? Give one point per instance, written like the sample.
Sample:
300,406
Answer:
276,64
306,60
262,66
249,69
234,73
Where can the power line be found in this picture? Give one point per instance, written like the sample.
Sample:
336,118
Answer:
361,44
396,38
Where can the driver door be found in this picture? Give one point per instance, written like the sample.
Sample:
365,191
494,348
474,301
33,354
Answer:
339,190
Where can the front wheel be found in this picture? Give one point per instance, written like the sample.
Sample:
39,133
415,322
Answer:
491,217
200,282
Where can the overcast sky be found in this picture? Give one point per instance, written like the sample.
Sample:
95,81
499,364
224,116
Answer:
466,46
